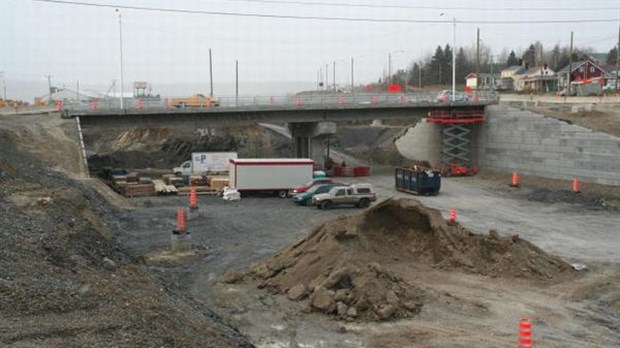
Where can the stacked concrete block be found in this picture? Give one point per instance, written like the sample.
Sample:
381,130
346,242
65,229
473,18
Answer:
515,140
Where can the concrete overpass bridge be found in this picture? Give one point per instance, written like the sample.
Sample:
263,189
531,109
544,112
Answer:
311,119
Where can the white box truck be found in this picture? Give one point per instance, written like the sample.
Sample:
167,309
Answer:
203,162
277,175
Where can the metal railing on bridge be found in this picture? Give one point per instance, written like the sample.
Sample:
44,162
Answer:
311,101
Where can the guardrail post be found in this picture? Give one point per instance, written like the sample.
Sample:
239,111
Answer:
270,101
93,105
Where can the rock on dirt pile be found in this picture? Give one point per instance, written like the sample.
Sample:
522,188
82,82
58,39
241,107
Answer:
344,267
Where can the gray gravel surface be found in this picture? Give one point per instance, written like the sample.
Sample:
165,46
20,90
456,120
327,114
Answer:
65,281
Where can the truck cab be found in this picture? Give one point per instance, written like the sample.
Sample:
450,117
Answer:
184,169
359,195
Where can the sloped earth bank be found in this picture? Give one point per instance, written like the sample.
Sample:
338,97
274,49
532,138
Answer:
343,267
65,281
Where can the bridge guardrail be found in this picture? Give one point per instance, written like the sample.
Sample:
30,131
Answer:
347,100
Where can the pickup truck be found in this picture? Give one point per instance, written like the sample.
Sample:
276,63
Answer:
359,195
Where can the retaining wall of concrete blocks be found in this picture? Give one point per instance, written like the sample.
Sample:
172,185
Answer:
529,143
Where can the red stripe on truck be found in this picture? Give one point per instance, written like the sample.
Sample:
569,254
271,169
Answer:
271,163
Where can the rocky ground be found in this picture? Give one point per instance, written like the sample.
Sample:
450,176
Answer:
66,281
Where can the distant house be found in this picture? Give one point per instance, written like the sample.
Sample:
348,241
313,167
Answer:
507,77
487,81
581,72
539,79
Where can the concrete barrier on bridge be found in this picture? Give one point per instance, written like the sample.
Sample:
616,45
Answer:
529,143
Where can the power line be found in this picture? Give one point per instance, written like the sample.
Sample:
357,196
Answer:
322,18
418,7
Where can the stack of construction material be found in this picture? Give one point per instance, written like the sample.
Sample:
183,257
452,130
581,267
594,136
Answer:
138,190
196,180
132,177
218,184
200,190
162,188
210,178
171,179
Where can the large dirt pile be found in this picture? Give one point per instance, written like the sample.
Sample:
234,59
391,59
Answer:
346,266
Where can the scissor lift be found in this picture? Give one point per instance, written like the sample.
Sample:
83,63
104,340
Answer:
456,159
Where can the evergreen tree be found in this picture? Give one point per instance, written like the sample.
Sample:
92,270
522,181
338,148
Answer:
512,59
436,66
529,57
447,65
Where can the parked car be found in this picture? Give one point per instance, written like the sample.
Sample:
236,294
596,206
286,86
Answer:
359,195
305,198
446,96
305,187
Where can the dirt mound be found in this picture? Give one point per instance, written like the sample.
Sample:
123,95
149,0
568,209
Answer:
346,266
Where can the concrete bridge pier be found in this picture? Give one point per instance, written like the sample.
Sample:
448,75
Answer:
310,139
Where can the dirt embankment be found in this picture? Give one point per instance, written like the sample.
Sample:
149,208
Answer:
345,267
66,281
164,148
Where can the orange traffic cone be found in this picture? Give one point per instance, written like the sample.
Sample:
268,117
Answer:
452,215
525,333
515,180
193,204
576,185
181,221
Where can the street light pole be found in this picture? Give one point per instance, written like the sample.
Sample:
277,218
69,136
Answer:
120,32
453,59
334,76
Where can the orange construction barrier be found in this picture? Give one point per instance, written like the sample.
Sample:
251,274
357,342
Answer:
452,215
181,220
525,333
193,203
515,180
576,185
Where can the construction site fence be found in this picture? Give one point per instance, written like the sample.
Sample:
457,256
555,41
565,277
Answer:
348,100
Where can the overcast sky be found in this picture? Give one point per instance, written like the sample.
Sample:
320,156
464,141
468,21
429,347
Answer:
170,49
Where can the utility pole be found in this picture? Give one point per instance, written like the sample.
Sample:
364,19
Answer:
334,76
3,84
326,77
210,74
389,68
617,63
570,64
120,31
49,85
236,80
352,77
477,59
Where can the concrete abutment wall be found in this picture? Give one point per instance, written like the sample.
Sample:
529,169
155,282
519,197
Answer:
532,144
